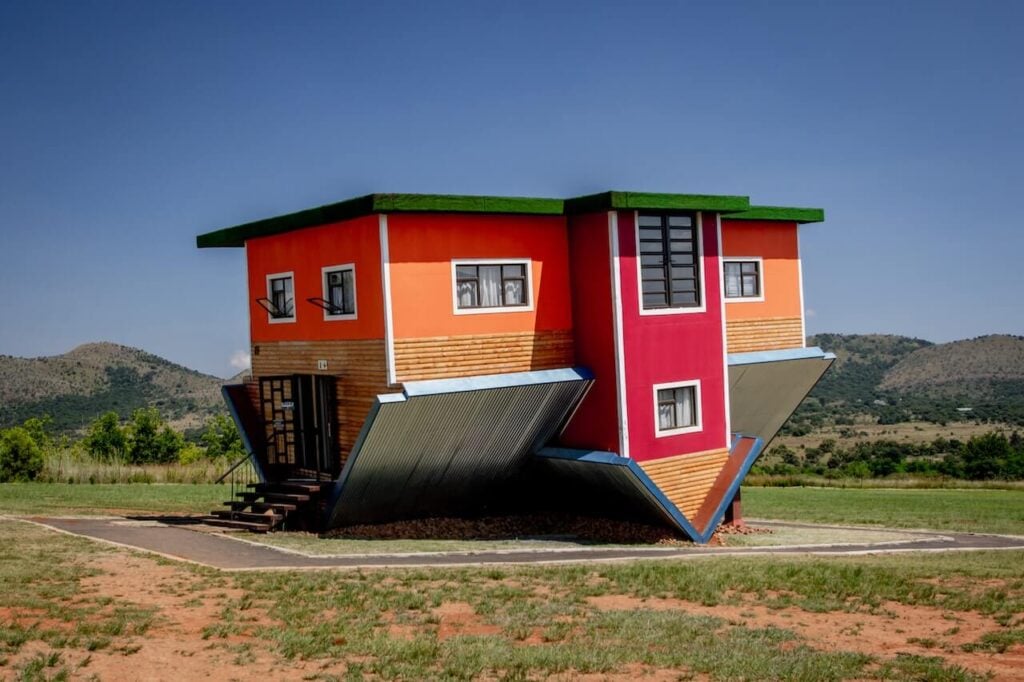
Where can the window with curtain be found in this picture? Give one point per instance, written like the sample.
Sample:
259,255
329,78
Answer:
742,278
669,262
339,291
491,285
677,407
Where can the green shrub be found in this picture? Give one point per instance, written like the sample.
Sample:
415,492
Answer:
221,438
20,456
106,439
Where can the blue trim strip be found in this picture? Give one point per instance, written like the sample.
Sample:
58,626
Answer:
256,465
481,383
779,355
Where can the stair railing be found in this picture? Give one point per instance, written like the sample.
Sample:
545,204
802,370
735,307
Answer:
240,475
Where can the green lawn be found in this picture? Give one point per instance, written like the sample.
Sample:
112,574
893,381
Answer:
115,498
979,511
508,623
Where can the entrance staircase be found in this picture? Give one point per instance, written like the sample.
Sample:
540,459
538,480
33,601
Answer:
265,507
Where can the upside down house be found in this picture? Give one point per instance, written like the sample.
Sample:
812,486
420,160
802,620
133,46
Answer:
621,354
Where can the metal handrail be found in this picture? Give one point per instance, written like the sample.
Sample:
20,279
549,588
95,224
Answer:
234,466
241,478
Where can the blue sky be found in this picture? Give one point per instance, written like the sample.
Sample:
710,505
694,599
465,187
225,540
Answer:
126,128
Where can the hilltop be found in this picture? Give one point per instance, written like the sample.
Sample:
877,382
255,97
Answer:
978,367
76,387
898,378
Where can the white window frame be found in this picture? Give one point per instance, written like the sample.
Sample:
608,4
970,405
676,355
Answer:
698,409
270,296
760,279
528,262
703,307
354,315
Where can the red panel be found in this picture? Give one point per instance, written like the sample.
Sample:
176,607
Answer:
595,424
662,349
305,252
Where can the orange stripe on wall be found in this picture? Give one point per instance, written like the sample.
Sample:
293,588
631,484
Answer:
422,247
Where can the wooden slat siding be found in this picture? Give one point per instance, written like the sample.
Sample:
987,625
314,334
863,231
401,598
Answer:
686,479
360,365
771,333
445,357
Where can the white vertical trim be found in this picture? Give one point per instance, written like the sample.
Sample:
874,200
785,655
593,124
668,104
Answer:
249,301
725,330
385,277
800,279
620,361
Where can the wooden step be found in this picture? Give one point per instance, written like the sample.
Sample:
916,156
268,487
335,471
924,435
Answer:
297,487
251,517
260,507
239,525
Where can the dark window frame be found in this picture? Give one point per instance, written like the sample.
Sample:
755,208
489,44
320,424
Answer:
523,278
672,401
758,274
283,310
333,310
672,287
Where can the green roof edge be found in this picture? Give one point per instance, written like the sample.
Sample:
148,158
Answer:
378,203
608,201
784,213
737,207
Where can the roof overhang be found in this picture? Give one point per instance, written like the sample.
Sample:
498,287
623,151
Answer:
737,207
789,214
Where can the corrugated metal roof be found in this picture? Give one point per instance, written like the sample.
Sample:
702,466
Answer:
766,388
437,452
617,486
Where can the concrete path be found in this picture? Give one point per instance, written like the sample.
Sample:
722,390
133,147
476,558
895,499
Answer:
177,541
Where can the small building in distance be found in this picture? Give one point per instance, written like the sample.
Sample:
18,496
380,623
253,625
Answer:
621,354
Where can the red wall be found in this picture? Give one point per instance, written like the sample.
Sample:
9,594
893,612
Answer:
595,424
305,252
669,348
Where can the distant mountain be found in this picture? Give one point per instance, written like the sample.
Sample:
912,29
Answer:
978,367
897,378
76,387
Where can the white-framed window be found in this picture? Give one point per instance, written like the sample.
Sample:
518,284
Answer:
669,256
500,285
744,278
677,408
339,289
280,300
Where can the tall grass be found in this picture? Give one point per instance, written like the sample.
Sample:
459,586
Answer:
72,464
905,482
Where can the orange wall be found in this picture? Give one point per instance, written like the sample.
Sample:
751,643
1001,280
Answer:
305,252
422,246
776,243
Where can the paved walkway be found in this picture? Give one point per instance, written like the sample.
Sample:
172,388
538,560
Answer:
177,541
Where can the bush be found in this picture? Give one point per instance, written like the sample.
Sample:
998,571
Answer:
151,440
20,456
221,439
106,439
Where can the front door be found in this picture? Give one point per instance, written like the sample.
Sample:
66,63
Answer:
299,420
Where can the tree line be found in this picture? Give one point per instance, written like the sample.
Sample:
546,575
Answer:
989,456
144,438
